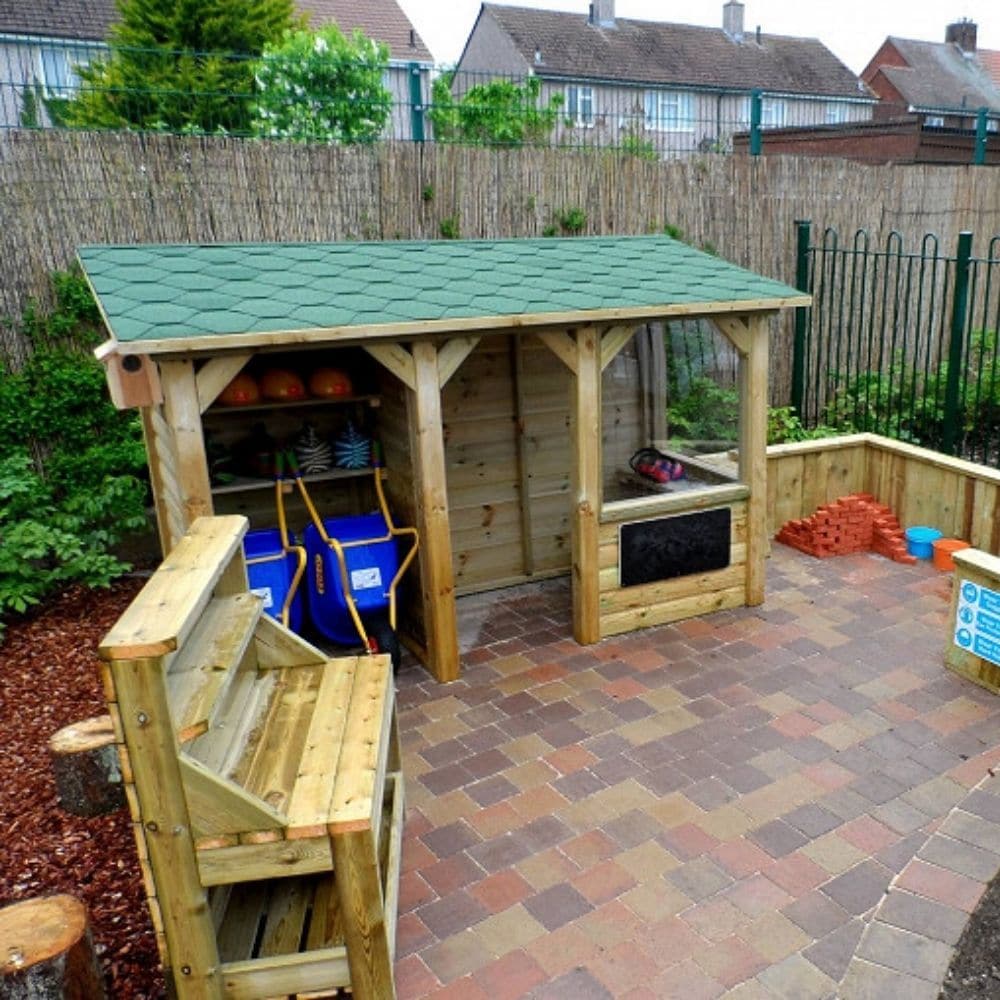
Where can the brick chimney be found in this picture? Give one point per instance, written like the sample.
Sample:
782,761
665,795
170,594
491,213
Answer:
963,34
732,20
602,13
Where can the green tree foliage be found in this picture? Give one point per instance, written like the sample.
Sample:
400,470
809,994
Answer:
71,465
179,65
498,113
320,86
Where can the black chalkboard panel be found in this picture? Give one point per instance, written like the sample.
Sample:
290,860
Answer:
674,546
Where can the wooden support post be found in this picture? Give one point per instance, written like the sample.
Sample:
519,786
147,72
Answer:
85,767
361,908
163,814
753,454
47,951
182,411
216,374
585,442
436,572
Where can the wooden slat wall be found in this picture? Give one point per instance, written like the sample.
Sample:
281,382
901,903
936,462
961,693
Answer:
959,498
623,609
477,407
803,475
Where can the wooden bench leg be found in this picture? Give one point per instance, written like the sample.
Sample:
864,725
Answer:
359,887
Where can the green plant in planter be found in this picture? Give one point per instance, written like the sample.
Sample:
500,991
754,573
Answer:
706,411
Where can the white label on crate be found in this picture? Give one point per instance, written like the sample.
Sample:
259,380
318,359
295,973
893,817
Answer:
264,592
365,579
977,621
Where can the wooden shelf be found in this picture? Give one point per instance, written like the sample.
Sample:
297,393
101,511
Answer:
243,483
297,404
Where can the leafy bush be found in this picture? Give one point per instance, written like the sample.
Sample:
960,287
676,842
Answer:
706,412
320,86
784,427
908,404
71,469
498,113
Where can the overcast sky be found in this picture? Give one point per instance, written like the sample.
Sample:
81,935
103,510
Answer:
852,29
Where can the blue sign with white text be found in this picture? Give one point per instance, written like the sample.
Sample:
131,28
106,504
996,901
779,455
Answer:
977,621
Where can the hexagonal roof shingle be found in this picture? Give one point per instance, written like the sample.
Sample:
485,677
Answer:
178,298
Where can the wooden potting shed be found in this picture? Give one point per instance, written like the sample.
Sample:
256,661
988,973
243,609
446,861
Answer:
508,382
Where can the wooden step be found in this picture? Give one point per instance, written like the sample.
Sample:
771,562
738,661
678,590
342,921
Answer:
167,609
200,674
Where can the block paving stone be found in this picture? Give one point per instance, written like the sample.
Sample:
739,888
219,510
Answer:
715,807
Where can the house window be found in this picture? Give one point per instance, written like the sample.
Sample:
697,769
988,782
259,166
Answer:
837,112
934,121
669,111
773,112
992,125
58,74
580,105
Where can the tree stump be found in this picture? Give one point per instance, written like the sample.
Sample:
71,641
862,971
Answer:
46,951
86,768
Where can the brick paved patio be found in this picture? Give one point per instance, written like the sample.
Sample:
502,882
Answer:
711,808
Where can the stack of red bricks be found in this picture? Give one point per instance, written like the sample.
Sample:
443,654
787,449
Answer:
855,523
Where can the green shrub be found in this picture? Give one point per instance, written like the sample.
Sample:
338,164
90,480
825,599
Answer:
72,467
706,411
784,427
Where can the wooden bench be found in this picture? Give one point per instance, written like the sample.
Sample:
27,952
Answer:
264,784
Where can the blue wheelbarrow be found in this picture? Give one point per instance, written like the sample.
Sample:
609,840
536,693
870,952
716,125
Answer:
275,564
355,565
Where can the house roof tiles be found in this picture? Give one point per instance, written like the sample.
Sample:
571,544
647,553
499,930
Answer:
938,75
382,20
90,20
87,20
173,297
657,52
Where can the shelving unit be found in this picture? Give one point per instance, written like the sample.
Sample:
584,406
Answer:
243,483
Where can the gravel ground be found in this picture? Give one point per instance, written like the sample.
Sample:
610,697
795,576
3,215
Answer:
48,679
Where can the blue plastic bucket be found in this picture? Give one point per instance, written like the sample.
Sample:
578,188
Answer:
371,567
271,570
920,541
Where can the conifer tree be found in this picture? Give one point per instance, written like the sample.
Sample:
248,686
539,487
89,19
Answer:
179,65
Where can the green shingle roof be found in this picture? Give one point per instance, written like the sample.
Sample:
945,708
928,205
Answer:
169,294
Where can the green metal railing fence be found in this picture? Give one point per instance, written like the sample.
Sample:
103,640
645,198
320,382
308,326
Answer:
901,342
40,79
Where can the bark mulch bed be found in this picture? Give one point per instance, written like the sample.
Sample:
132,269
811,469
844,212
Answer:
48,679
974,973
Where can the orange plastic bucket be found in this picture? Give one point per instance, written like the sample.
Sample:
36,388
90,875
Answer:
944,548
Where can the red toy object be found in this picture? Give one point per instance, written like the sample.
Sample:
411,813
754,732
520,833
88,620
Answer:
242,391
281,385
327,383
653,464
854,523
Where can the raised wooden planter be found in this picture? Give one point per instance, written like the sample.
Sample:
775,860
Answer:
263,781
973,648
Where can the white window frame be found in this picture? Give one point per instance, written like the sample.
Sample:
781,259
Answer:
57,71
992,125
934,121
668,110
773,112
581,107
837,112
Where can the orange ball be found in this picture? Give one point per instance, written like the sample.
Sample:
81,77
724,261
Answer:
282,385
329,382
242,391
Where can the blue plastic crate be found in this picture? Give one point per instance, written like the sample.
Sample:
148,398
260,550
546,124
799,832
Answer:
370,569
271,571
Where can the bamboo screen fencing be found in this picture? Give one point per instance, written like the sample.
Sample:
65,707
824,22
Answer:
62,189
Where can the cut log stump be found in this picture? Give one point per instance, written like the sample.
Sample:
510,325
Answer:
86,768
46,951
